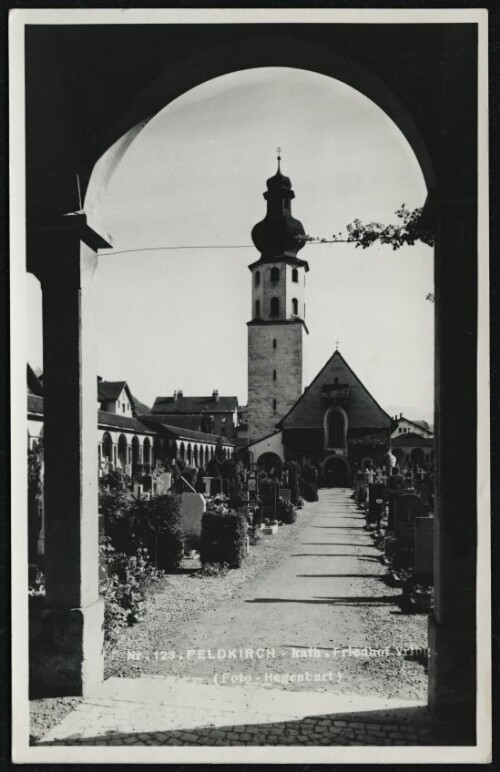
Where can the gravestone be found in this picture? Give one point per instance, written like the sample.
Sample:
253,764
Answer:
163,483
376,492
424,549
147,483
216,485
269,494
392,496
396,482
193,506
407,507
426,493
207,482
286,494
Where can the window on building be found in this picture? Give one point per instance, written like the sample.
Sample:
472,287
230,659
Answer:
275,275
257,308
274,375
123,407
257,278
295,306
274,343
295,275
275,306
274,405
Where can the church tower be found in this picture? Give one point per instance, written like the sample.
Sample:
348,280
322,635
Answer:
276,330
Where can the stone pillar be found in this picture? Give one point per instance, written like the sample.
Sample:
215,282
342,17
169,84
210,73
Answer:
66,651
452,626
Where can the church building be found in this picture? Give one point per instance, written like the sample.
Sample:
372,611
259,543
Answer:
335,423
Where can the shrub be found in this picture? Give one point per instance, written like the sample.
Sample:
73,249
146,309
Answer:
123,586
151,523
35,500
310,491
156,524
286,511
223,537
293,480
213,469
36,590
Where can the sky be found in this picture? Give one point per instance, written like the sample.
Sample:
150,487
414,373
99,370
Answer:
194,176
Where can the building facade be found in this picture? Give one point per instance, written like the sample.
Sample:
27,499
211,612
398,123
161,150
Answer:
216,414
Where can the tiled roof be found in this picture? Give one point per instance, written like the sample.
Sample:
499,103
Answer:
194,422
119,421
168,405
422,424
188,434
415,440
110,420
110,389
138,407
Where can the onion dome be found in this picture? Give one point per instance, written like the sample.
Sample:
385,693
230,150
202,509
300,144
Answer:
278,235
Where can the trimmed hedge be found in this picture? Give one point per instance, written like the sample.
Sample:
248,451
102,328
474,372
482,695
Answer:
151,523
223,538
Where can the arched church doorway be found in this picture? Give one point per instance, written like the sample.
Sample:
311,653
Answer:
336,473
270,463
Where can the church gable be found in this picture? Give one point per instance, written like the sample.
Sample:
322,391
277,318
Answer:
336,384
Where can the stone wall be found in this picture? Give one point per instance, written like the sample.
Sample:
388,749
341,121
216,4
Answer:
263,359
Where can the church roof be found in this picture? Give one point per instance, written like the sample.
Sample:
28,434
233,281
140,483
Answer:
309,412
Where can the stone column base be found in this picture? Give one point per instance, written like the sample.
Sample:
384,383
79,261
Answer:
452,683
66,651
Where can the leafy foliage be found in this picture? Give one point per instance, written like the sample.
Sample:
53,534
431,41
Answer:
411,228
286,511
124,582
223,536
35,498
153,523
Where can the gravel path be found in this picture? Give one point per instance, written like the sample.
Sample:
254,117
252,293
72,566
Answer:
316,589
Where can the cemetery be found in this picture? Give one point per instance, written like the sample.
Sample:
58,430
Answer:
207,519
398,506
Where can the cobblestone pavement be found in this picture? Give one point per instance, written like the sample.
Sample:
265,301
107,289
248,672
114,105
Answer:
326,594
170,711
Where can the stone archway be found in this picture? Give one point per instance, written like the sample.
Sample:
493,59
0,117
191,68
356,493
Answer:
123,117
122,451
270,462
336,472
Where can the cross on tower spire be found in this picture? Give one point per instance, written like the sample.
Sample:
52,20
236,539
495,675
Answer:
279,151
336,345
